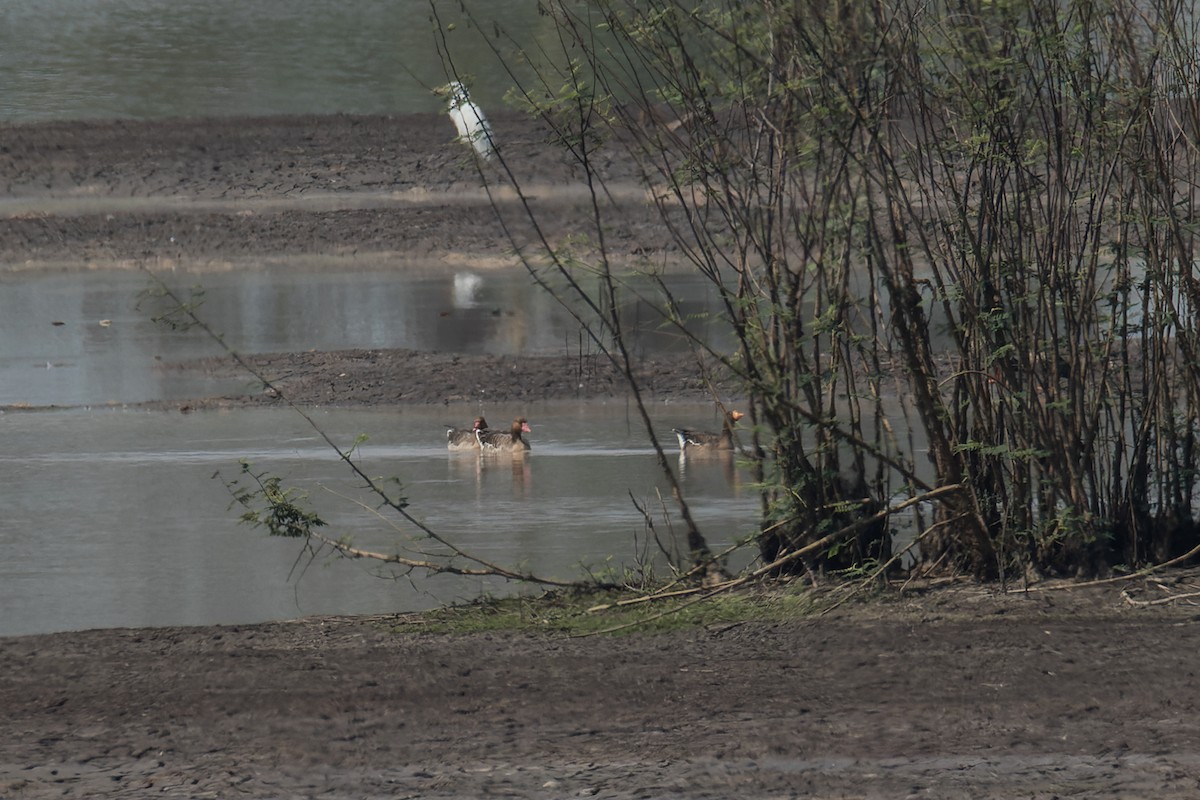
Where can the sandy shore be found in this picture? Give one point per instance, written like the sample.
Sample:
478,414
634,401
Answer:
960,692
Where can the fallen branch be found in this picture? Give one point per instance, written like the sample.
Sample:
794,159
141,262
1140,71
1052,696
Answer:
874,576
706,592
486,568
1160,601
349,551
1141,573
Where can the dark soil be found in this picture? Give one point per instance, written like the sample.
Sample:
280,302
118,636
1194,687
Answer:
956,693
959,692
376,377
211,193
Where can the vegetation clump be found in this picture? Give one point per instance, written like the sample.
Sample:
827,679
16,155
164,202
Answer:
955,244
577,612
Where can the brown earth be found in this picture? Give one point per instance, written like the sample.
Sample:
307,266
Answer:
955,692
375,377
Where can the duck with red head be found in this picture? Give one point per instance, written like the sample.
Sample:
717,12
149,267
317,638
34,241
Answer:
465,438
702,441
505,441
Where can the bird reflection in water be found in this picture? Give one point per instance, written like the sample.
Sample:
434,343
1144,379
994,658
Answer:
522,475
498,451
474,467
467,466
700,464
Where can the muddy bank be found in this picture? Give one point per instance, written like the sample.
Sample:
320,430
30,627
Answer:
959,693
390,377
357,192
197,194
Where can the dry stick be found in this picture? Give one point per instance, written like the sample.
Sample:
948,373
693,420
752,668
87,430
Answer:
774,565
929,570
1141,573
875,575
1160,601
669,590
348,551
489,569
672,557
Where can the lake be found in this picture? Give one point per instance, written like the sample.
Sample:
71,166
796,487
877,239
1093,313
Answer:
113,516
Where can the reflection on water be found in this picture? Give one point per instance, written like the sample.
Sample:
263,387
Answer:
724,461
474,470
113,519
55,351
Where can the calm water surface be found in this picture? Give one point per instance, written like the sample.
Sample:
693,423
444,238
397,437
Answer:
85,338
113,517
77,59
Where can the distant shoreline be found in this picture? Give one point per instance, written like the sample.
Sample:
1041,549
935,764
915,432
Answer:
235,192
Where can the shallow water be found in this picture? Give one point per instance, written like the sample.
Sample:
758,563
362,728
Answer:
114,518
83,339
77,59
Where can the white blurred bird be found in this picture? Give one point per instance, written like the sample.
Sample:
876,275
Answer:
466,289
473,127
